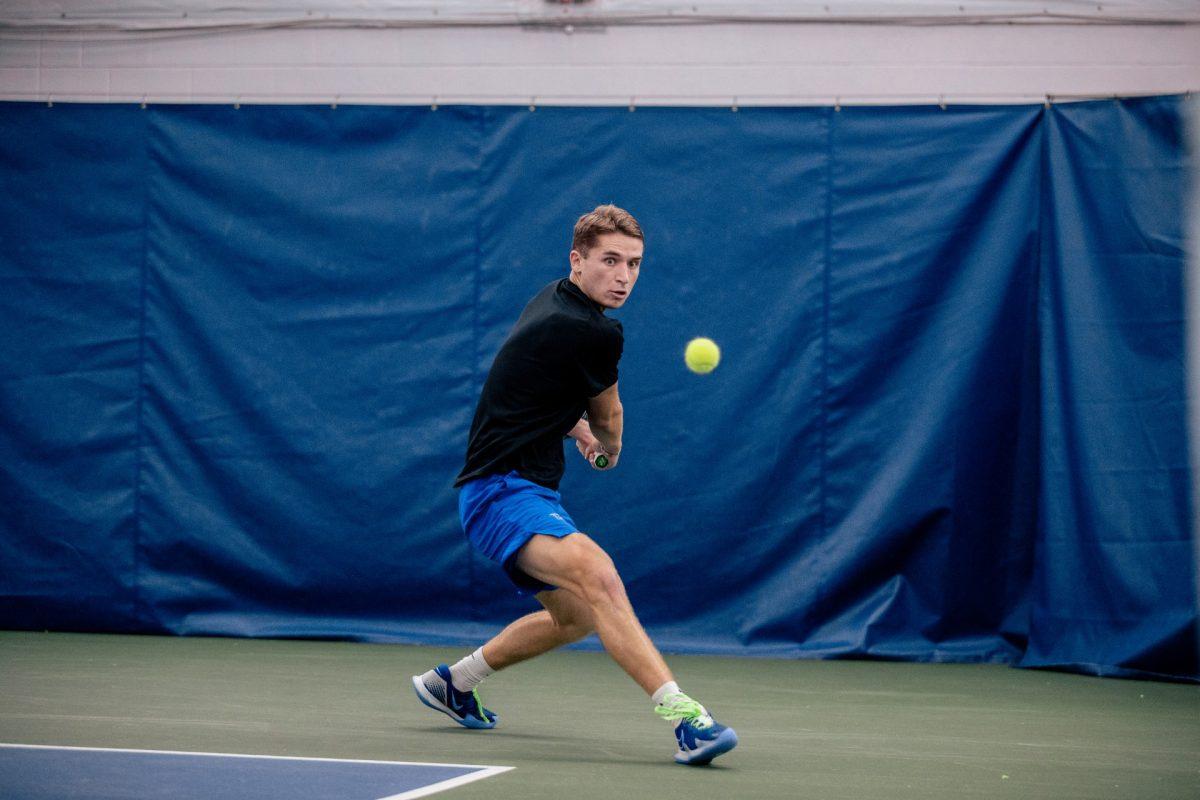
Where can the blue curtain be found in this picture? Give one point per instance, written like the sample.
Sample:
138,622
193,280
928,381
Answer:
241,349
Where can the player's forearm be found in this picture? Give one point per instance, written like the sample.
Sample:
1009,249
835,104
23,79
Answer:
582,432
608,429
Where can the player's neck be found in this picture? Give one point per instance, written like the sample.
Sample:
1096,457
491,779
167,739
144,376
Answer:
599,307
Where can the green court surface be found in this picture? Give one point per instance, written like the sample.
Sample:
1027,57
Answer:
576,727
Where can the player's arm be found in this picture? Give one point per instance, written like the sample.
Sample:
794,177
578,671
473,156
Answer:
606,418
585,442
582,432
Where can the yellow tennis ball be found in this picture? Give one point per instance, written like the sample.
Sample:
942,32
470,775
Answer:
702,355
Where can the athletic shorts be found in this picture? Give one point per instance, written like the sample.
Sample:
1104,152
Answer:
501,513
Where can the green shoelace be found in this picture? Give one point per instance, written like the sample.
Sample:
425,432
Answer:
681,707
483,712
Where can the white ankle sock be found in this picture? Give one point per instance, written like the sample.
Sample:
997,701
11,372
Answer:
468,673
670,687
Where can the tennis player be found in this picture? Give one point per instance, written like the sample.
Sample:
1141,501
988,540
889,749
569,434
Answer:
554,377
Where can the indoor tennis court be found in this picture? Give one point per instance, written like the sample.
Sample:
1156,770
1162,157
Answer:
328,402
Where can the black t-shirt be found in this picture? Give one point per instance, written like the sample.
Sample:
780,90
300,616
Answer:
562,351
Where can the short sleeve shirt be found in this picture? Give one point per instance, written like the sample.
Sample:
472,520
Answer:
562,351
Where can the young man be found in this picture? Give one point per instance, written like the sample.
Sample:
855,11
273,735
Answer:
559,362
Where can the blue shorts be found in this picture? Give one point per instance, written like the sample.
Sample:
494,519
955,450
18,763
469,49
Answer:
501,513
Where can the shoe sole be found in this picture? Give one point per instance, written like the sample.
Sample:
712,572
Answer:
701,756
428,699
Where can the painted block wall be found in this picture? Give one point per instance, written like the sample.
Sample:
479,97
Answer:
747,64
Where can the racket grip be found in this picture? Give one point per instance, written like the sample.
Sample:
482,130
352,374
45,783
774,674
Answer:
601,461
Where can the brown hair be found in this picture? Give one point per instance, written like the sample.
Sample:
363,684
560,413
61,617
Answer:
602,220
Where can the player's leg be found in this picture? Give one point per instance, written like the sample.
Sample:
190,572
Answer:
580,567
451,689
564,619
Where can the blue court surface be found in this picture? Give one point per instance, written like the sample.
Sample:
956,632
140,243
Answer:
30,772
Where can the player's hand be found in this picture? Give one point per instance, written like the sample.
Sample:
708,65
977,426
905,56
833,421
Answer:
594,454
584,446
590,448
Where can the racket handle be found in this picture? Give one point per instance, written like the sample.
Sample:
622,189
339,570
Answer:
601,461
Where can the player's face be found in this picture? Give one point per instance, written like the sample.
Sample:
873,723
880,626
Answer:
609,270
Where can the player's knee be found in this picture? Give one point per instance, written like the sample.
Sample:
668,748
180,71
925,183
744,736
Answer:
600,582
572,621
574,629
593,573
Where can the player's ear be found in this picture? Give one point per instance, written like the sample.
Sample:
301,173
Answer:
576,259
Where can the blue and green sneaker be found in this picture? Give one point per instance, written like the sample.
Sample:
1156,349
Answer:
436,690
699,736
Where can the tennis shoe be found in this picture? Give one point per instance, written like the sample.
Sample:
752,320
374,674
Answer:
436,690
699,736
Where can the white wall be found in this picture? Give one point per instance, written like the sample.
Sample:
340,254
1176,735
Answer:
743,62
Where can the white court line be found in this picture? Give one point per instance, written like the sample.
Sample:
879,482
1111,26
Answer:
449,783
483,770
